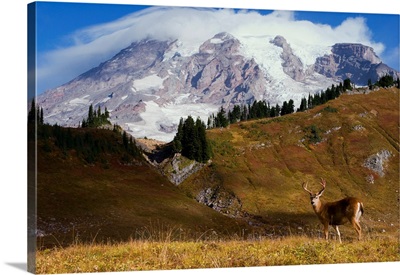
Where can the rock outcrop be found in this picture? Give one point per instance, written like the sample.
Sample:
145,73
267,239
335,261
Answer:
219,73
292,65
357,62
377,162
182,169
221,200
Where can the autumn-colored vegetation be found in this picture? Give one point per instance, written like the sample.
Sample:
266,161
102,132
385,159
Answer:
164,255
113,214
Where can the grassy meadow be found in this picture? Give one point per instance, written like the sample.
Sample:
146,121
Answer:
168,255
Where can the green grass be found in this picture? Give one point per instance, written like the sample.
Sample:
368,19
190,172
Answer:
167,254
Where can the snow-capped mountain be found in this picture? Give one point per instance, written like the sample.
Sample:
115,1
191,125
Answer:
148,86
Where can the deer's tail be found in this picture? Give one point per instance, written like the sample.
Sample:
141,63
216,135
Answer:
361,208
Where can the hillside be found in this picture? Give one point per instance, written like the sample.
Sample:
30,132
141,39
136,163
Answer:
111,199
252,186
261,165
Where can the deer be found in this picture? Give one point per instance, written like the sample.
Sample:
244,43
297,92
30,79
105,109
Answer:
337,212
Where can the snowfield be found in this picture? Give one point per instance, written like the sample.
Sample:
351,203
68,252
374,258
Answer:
157,118
149,82
80,101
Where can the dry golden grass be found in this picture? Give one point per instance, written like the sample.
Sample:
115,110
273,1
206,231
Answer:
167,255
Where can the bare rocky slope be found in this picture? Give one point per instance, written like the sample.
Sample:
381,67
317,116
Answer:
354,61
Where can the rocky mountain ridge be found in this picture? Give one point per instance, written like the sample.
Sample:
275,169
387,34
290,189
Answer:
354,61
292,65
149,85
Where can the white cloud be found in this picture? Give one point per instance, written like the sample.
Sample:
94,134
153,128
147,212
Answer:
356,30
96,44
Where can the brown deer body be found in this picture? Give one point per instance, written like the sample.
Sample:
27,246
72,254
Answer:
338,212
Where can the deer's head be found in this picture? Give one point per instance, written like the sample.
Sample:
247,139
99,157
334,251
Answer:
314,197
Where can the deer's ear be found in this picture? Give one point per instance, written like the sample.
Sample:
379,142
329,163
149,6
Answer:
320,192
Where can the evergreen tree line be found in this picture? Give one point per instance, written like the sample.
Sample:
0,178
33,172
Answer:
259,109
96,118
263,109
385,82
190,140
35,119
35,114
324,96
91,145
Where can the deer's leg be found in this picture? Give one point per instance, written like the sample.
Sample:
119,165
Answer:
338,233
326,225
357,227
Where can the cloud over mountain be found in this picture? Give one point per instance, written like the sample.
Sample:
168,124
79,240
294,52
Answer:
92,45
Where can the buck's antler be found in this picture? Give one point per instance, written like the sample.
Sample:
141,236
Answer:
305,188
323,183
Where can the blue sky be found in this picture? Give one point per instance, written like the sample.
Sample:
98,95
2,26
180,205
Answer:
57,20
74,37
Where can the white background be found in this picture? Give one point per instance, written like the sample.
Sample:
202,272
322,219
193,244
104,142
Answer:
13,97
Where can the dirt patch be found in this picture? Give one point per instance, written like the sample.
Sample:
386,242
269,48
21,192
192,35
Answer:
149,145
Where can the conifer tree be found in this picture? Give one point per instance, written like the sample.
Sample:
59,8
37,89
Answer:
309,102
203,153
41,119
221,119
347,84
386,81
337,92
32,112
188,138
290,108
106,113
236,113
284,109
177,141
303,105
244,116
341,88
191,140
96,118
90,119
125,140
